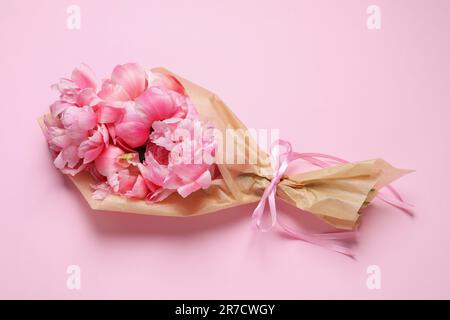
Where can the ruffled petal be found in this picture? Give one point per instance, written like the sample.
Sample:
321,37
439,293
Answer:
74,171
58,107
108,113
133,132
189,172
202,182
68,161
101,191
159,195
132,129
127,181
159,154
153,171
91,148
84,77
139,189
112,91
187,189
131,77
106,163
79,120
87,97
165,81
162,135
65,85
156,104
57,138
113,181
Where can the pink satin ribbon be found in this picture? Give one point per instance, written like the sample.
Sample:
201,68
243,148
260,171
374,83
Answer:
281,155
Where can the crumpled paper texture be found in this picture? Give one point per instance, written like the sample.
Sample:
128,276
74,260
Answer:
335,194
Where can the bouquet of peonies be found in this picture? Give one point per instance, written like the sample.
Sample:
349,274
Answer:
134,135
150,142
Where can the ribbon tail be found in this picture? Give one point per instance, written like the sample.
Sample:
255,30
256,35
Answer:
325,240
400,204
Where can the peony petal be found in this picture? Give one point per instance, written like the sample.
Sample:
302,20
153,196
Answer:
113,181
59,161
131,129
127,181
57,138
112,91
101,191
70,156
109,114
172,181
90,168
106,163
159,195
162,135
139,189
166,81
160,154
187,189
64,85
189,172
204,181
79,120
156,104
87,97
112,132
131,77
68,162
91,148
87,120
91,154
84,77
57,107
133,133
153,171
73,171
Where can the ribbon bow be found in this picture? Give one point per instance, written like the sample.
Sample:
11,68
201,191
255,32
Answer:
281,155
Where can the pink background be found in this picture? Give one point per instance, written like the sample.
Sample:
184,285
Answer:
357,93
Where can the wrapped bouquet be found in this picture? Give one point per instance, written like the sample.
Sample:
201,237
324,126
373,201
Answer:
150,142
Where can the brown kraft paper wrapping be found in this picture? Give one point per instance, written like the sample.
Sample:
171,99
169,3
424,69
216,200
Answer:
335,194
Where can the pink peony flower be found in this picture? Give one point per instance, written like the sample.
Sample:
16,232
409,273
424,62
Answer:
75,138
179,157
91,148
79,90
73,132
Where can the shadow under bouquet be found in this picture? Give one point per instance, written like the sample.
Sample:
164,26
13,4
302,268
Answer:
150,142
